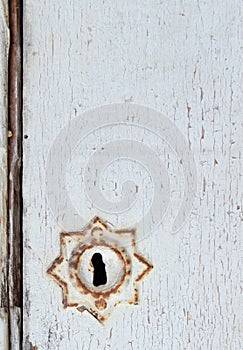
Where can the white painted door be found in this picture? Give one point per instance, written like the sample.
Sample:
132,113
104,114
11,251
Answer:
131,117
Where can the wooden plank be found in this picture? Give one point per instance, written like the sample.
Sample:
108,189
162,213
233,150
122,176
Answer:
4,45
183,60
14,174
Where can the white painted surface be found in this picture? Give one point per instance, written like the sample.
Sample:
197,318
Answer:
3,330
182,59
4,44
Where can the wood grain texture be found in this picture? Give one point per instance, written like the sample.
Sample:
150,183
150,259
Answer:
14,154
183,59
14,174
4,45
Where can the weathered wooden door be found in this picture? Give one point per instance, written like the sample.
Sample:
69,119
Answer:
130,185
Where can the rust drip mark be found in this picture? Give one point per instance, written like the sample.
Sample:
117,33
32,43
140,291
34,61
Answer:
149,267
15,167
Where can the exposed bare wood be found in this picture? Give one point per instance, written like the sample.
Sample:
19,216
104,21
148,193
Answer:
4,46
14,173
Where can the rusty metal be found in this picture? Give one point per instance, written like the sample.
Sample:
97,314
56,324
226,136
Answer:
146,263
14,170
74,266
69,272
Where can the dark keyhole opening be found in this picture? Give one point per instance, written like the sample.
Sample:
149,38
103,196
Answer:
100,277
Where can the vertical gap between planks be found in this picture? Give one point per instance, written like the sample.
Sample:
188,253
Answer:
15,176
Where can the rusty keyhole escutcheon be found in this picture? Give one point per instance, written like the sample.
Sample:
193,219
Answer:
74,269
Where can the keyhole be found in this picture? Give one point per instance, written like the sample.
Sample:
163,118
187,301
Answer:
100,277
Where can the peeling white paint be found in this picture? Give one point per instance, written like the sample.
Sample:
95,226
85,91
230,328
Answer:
15,319
182,59
3,329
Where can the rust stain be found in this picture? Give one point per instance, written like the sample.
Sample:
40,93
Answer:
97,220
136,300
149,267
101,304
97,230
125,232
71,265
66,237
94,313
73,304
52,271
74,266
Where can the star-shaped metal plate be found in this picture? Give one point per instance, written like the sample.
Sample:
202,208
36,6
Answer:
73,270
